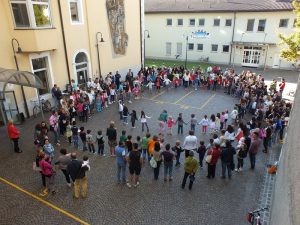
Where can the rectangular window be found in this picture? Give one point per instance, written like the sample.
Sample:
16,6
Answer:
225,48
76,11
228,22
192,22
169,22
40,68
295,22
250,25
191,46
168,48
31,13
179,49
214,48
180,22
20,14
201,22
216,22
261,25
200,47
283,23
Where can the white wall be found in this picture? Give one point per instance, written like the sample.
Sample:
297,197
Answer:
161,34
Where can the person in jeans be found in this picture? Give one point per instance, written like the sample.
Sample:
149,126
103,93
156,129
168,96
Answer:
156,154
100,141
191,165
77,174
111,134
168,156
241,151
211,166
255,143
177,149
121,162
63,161
75,135
227,153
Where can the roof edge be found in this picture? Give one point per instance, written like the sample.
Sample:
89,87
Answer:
206,11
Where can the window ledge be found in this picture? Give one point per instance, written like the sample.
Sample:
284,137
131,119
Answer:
40,28
77,23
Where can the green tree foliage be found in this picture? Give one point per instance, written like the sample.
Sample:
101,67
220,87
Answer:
291,51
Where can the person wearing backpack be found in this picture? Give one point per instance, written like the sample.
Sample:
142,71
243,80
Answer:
168,156
241,154
227,159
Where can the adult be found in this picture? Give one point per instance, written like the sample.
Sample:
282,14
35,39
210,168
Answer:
14,135
254,146
121,163
117,79
135,163
47,171
163,117
190,143
227,153
157,157
211,165
54,92
63,161
168,156
191,166
53,121
77,174
111,134
120,109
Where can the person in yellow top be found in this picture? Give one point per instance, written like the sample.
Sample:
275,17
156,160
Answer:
191,165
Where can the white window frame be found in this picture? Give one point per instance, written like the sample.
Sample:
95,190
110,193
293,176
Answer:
215,19
223,48
167,22
260,31
230,22
80,12
252,27
50,73
178,22
199,22
177,48
168,53
190,22
212,49
189,46
287,24
198,48
30,12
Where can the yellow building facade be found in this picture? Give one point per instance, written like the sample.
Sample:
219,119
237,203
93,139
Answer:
62,40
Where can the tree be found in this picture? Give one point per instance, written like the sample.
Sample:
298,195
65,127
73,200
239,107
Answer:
292,42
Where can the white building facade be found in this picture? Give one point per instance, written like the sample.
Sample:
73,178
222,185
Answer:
221,37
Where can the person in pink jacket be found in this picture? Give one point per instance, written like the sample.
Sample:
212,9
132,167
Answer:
47,171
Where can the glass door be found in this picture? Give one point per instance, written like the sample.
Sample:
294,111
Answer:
251,56
10,108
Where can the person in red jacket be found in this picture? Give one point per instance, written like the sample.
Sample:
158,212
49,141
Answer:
211,166
14,135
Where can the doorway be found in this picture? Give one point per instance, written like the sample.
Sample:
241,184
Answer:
81,64
251,56
10,108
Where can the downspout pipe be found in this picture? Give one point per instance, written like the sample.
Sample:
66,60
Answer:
141,35
232,38
64,40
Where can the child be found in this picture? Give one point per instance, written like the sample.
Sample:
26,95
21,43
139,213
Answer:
112,94
204,122
123,137
48,149
144,145
180,123
129,145
193,122
170,123
133,118
98,103
144,118
135,91
225,118
86,162
100,141
177,149
90,141
222,120
138,141
75,134
82,135
201,151
150,86
69,132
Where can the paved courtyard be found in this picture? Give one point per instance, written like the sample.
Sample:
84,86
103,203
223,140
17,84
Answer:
210,202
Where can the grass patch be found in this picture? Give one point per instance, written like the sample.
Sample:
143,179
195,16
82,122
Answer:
160,63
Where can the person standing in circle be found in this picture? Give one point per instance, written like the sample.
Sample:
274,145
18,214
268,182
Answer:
14,135
163,117
111,134
190,143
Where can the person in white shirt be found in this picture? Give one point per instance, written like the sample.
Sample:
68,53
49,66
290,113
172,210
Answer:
121,107
150,86
204,122
144,118
167,82
233,115
190,143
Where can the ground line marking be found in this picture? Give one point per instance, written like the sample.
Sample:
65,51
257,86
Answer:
208,100
183,97
159,94
43,201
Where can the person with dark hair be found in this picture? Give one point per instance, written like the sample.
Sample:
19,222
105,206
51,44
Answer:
63,161
190,143
135,163
254,146
111,134
211,164
168,156
157,157
191,166
121,163
133,118
90,141
14,135
227,153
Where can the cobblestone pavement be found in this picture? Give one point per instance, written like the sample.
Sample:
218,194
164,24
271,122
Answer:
211,202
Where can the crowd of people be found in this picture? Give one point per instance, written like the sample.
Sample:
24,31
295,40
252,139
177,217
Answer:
232,135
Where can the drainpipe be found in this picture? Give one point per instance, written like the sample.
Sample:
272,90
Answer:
89,37
141,35
232,38
64,40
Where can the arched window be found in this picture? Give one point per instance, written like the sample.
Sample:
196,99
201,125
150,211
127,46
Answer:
81,65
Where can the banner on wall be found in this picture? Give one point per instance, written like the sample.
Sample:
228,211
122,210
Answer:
200,34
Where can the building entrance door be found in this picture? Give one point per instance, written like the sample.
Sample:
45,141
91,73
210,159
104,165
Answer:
9,108
81,66
251,56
